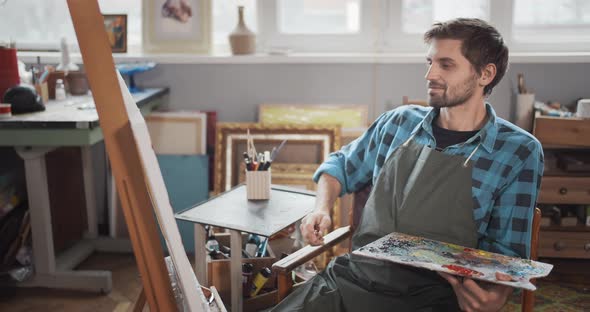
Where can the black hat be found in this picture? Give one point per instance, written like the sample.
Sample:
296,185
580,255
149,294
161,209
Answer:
23,99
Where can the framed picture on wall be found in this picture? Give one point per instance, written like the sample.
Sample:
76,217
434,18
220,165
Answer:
180,26
116,27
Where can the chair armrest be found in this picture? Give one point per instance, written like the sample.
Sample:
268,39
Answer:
307,253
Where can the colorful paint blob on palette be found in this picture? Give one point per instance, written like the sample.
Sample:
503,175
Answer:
462,270
454,259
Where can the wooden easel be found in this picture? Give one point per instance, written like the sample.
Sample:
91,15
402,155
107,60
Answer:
134,165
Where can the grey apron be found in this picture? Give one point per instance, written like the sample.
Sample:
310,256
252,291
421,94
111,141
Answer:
419,191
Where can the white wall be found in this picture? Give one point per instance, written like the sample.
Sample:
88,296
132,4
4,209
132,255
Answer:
235,90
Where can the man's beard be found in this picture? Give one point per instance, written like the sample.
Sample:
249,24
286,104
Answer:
463,93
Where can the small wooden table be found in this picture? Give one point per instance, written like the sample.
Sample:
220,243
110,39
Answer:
231,210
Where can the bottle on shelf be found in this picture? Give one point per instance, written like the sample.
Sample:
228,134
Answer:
60,90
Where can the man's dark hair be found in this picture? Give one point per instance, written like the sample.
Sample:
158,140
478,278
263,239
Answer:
481,44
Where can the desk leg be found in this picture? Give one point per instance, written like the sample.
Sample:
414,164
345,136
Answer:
89,192
117,226
40,209
201,255
49,271
236,270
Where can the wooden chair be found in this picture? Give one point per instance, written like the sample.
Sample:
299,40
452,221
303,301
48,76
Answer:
285,266
528,297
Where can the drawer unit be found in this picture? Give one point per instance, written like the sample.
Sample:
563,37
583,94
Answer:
562,131
571,188
560,244
564,190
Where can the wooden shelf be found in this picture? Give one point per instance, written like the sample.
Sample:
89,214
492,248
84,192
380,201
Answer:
560,132
563,135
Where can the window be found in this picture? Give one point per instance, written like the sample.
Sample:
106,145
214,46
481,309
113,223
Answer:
398,25
418,15
319,17
47,21
318,25
551,22
339,26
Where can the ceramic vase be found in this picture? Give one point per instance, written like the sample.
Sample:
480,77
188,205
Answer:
242,40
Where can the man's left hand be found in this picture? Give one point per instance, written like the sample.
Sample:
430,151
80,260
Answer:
473,297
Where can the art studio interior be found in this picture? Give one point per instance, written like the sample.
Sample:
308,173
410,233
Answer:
294,155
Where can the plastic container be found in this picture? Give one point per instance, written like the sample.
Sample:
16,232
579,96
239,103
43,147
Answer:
259,281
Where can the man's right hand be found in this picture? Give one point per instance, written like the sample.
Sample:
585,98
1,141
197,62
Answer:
313,227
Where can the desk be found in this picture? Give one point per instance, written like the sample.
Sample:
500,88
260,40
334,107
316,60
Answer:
71,122
233,211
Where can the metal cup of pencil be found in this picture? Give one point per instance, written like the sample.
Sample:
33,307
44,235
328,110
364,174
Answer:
258,184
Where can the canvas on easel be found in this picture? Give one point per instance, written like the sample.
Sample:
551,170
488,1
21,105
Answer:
137,174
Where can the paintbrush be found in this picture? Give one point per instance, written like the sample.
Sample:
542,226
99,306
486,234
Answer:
275,151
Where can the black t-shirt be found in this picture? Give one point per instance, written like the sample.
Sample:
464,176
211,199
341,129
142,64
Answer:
445,137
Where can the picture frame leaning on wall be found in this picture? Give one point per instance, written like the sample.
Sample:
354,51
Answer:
352,118
306,148
305,145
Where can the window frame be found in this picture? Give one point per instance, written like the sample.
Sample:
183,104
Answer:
379,33
270,38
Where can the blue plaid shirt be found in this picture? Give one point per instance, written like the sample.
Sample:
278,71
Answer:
507,170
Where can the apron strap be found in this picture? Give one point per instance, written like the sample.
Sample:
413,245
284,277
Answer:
471,155
466,161
409,139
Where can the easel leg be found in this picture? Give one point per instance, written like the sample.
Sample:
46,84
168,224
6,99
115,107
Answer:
236,271
139,303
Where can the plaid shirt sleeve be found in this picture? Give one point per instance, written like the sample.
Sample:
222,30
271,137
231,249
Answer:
353,165
509,231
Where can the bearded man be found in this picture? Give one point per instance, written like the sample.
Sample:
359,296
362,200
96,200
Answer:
453,172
